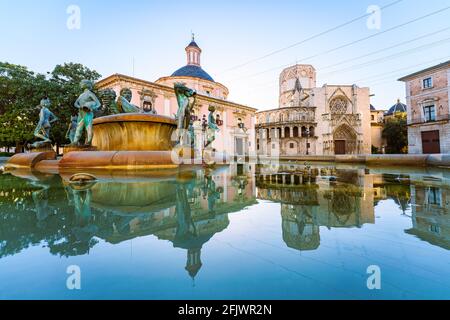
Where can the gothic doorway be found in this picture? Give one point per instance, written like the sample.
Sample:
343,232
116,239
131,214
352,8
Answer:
345,140
339,146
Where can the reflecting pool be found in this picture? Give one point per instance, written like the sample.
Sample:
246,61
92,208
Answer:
240,232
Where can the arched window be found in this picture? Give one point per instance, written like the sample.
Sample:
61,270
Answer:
287,132
311,132
304,132
295,132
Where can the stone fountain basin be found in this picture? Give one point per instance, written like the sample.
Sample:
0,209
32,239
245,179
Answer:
133,132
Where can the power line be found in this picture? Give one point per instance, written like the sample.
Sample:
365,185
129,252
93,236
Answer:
382,76
310,38
375,52
384,49
389,57
411,67
355,42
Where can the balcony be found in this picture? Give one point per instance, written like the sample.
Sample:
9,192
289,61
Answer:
421,120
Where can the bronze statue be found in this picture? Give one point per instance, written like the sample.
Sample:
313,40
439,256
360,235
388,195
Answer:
211,127
46,118
86,103
185,106
124,102
71,130
108,99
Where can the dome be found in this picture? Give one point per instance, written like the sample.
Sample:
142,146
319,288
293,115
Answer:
194,71
398,107
193,44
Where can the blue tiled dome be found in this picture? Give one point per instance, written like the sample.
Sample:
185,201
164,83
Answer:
398,107
192,71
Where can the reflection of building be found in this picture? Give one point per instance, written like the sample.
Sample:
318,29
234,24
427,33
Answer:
431,213
235,120
333,119
427,95
309,200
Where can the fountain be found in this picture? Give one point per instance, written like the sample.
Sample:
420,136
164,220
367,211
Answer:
123,140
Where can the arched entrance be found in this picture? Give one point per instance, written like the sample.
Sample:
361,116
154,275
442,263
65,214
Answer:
344,138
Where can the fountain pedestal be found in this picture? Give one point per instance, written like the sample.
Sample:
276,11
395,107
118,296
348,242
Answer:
123,141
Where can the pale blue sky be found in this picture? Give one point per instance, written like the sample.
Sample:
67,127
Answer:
155,33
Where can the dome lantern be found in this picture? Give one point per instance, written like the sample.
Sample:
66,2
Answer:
193,53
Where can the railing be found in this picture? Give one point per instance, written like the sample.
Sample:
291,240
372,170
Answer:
421,120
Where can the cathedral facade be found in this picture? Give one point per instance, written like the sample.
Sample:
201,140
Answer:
310,120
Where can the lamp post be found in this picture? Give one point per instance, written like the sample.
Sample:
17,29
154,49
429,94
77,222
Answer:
307,142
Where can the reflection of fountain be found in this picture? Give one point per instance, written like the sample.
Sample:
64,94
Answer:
118,208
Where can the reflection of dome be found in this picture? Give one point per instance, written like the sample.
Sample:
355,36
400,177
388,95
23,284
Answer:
192,71
396,108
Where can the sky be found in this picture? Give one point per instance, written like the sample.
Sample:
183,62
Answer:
241,40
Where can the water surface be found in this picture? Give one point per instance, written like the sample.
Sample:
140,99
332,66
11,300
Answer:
239,232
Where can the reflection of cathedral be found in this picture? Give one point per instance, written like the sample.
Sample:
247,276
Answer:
310,200
333,119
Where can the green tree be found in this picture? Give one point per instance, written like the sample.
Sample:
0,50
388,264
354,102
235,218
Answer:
21,91
65,82
395,132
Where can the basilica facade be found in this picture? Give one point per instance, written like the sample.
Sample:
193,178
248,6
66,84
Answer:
311,120
236,121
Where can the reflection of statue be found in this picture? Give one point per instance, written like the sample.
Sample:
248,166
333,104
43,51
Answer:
46,118
185,107
40,199
124,102
213,193
86,103
72,129
185,225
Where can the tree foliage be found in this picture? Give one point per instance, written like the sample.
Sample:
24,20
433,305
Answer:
395,132
21,90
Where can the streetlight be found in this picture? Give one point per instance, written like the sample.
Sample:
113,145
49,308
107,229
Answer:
307,132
